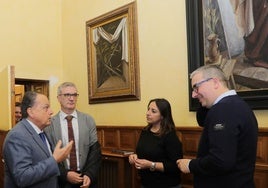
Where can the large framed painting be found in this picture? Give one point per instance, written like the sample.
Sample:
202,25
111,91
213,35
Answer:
233,35
112,51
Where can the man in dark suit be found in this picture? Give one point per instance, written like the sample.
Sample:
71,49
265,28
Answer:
87,148
28,159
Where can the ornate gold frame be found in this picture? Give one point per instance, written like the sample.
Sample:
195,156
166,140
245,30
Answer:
112,56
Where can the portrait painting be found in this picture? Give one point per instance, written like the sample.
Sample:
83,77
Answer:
232,34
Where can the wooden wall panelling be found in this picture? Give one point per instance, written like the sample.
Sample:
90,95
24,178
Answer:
261,177
190,139
127,137
262,147
111,138
123,138
118,137
100,136
261,168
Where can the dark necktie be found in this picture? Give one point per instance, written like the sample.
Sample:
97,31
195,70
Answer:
43,137
73,160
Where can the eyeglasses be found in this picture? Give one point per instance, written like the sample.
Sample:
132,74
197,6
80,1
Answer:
198,84
68,95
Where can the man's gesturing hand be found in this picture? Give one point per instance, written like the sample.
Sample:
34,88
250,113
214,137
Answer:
60,154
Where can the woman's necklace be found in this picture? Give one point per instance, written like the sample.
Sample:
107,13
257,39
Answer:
155,129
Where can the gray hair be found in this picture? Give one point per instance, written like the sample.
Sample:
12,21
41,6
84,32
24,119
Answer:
64,85
210,71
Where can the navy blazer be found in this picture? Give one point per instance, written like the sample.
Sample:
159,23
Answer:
28,162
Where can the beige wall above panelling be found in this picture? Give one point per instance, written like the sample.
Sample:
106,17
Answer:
30,38
47,40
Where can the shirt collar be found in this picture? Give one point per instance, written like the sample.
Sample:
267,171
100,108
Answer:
227,93
37,129
63,114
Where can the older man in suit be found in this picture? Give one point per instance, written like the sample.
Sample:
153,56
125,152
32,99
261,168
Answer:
82,167
29,161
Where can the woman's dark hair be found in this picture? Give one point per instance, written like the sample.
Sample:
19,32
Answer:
27,101
167,123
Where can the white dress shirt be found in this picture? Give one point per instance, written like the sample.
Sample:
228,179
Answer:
64,133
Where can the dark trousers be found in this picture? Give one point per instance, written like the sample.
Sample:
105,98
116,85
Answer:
176,186
75,186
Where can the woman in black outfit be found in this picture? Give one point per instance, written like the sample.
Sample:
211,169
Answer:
158,148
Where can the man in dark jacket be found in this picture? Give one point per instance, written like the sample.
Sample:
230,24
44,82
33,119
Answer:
227,149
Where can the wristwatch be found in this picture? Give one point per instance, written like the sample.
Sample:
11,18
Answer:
152,168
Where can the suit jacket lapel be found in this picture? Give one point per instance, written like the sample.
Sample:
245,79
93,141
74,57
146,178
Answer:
57,127
57,131
36,137
81,129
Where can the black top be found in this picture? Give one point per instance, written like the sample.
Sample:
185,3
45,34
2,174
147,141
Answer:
227,149
166,149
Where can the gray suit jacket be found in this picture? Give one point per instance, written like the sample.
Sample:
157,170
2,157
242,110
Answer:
89,147
27,159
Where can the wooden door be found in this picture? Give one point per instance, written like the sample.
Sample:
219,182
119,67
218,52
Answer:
39,86
19,92
7,99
